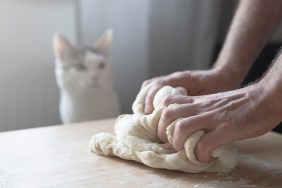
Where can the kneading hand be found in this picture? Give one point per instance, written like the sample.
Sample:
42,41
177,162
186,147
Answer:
225,117
195,82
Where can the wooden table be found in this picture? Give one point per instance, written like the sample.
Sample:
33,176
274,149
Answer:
58,156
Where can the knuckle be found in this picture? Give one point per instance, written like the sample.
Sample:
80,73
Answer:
179,136
180,126
201,146
146,82
206,103
168,113
167,100
182,75
156,82
202,151
159,82
189,99
177,74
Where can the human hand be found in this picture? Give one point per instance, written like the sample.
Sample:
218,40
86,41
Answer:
225,117
195,82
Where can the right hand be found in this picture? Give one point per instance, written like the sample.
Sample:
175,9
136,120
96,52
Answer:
195,82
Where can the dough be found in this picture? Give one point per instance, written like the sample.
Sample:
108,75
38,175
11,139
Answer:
136,139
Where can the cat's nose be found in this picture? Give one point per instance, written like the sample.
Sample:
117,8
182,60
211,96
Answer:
95,77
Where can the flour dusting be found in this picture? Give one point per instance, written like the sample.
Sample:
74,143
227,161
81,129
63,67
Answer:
251,172
4,179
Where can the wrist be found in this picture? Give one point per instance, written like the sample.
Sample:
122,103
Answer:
229,78
272,88
235,65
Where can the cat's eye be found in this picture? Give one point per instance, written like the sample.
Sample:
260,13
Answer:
102,64
80,66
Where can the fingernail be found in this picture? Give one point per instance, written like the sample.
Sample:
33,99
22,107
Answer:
147,110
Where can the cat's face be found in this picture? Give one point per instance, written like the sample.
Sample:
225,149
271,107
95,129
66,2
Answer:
87,68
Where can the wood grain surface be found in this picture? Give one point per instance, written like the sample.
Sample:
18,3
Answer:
58,156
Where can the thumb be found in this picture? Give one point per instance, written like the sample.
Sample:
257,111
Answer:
210,141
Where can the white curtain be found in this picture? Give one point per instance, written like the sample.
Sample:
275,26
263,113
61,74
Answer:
152,37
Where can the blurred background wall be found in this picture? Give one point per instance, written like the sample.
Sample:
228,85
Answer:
151,38
29,96
129,20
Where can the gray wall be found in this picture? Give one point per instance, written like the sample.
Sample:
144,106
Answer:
227,11
156,37
151,37
29,95
129,20
182,35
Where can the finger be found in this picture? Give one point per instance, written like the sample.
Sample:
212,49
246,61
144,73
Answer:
145,83
177,99
187,126
212,140
150,98
172,113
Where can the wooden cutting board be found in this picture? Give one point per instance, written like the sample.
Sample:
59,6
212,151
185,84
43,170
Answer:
58,156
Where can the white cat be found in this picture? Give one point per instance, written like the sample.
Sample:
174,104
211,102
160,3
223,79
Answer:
84,77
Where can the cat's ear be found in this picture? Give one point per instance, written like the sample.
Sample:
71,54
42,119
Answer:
103,44
62,47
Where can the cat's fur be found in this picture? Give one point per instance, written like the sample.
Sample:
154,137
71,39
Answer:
84,77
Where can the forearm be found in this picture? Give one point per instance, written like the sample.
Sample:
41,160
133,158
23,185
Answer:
272,83
253,24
